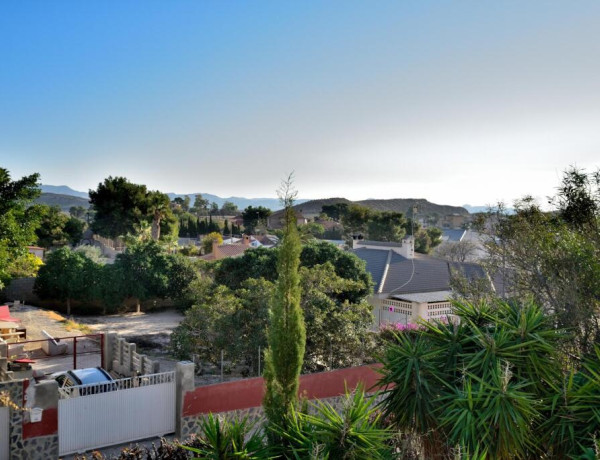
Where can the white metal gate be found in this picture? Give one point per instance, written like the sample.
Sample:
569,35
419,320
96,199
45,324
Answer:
95,416
4,438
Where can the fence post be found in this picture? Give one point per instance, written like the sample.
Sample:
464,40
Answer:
121,342
131,366
108,350
102,351
74,352
184,382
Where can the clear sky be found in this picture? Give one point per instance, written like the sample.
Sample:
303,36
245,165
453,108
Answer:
456,102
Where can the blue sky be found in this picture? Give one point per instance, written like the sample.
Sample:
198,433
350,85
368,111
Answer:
456,102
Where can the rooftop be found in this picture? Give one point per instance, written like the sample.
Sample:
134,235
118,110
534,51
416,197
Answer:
395,274
422,297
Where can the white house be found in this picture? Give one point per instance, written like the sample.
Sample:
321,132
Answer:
409,285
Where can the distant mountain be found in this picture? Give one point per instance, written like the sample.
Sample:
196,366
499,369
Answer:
64,202
403,205
242,203
314,206
63,190
62,193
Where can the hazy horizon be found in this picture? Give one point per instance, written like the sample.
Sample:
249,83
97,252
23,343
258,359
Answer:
457,103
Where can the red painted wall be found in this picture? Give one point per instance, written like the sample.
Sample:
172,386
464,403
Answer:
47,426
243,394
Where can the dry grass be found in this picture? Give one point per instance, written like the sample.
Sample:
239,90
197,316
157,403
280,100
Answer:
73,326
69,325
53,315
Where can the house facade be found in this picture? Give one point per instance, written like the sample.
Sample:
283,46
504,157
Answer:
409,286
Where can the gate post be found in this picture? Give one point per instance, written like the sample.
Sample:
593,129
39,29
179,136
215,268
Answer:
108,350
40,436
184,382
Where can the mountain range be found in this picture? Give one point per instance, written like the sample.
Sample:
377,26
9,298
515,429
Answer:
60,195
65,197
403,205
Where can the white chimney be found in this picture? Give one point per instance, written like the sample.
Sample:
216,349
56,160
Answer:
408,247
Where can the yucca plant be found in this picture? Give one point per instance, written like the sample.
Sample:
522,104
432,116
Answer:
415,377
480,385
353,432
222,439
574,421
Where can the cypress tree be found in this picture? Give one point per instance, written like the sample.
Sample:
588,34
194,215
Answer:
287,334
202,227
183,227
193,226
225,227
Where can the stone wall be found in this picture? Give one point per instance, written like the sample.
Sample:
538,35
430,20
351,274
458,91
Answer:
20,289
243,398
255,415
32,441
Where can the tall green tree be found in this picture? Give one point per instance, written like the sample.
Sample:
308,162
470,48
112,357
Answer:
255,216
287,333
63,277
336,211
356,219
386,226
119,206
553,256
144,269
18,220
200,207
56,228
159,209
229,209
122,207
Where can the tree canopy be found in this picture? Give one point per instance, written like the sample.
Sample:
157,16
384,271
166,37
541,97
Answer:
18,220
553,256
121,206
255,216
68,275
56,228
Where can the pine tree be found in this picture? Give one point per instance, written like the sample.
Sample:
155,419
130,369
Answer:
287,334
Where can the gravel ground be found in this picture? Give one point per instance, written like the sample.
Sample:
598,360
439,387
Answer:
150,331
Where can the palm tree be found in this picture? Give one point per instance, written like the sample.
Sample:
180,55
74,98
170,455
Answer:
158,208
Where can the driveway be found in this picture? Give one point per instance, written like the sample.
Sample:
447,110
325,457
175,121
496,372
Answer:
151,331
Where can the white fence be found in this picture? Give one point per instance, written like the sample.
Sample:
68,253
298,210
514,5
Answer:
4,438
100,415
397,311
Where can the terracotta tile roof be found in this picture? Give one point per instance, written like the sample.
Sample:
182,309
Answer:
231,250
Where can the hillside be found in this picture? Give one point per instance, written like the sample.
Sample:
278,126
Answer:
64,202
403,205
242,203
63,190
314,206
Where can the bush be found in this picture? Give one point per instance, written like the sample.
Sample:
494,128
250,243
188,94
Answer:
355,432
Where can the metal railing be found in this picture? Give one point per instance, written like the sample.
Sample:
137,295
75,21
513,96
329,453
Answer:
98,338
116,385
